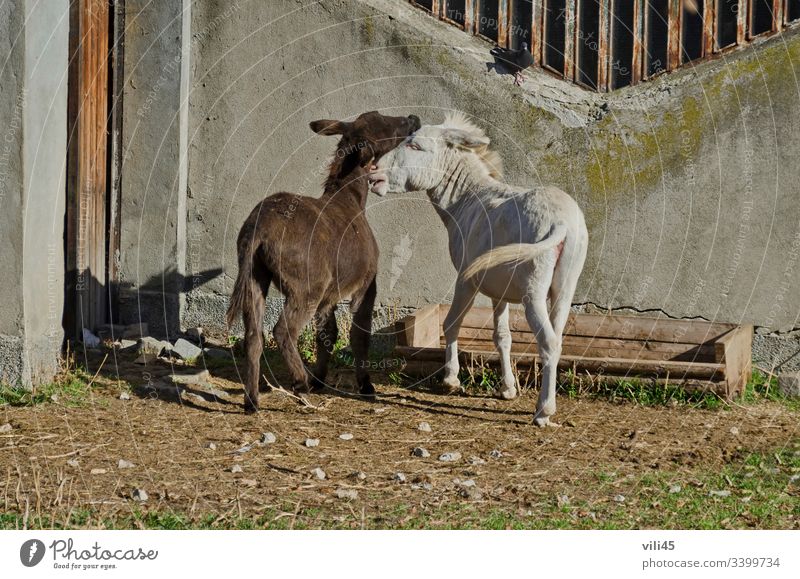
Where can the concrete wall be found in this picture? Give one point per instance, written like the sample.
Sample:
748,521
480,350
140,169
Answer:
33,110
152,202
688,182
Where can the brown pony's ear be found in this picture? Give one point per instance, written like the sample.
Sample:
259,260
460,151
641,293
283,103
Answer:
329,127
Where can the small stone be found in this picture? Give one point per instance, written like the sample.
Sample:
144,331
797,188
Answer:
496,454
471,492
468,483
6,427
217,354
135,331
185,350
211,446
720,494
424,427
359,476
200,377
476,460
243,449
450,457
746,499
236,468
192,397
125,464
319,474
399,477
422,486
346,436
126,345
420,452
789,384
146,359
675,489
248,482
124,396
794,478
268,438
619,499
734,430
379,410
347,494
562,500
311,442
139,495
97,471
148,345
89,339
73,462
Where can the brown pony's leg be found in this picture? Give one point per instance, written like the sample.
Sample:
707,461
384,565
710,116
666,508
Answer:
253,317
327,334
290,323
360,335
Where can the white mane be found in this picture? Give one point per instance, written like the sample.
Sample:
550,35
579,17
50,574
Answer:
490,158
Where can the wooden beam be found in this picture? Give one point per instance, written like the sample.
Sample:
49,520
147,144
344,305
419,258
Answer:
735,350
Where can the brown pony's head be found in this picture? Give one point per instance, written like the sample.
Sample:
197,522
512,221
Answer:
367,138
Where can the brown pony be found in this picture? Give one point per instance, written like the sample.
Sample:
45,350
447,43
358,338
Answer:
317,252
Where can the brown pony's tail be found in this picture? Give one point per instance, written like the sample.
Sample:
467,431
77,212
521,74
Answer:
245,284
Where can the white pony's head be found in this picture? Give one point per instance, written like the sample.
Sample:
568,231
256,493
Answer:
425,158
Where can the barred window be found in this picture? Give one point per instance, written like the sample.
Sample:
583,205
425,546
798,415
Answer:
610,44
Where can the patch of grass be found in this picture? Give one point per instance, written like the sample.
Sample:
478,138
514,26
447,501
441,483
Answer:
69,389
762,386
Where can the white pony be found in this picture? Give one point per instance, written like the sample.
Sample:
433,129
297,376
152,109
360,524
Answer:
513,244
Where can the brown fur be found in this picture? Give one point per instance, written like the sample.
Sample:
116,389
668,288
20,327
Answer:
317,252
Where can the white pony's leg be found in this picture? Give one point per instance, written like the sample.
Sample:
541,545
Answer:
565,280
463,296
547,341
502,341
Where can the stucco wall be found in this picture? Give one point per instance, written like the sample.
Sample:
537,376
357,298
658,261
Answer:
688,182
33,108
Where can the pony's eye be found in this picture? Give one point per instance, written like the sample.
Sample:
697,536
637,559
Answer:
413,145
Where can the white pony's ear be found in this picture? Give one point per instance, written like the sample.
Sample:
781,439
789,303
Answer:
461,138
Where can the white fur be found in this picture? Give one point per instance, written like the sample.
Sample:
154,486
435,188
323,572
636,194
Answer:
504,242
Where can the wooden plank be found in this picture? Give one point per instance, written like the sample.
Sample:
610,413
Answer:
611,326
421,329
472,338
536,38
616,366
674,38
709,18
735,350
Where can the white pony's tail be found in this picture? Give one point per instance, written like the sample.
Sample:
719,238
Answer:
515,253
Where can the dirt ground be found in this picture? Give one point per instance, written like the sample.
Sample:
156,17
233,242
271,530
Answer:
58,458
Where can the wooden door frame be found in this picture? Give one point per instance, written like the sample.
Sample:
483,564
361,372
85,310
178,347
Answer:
93,155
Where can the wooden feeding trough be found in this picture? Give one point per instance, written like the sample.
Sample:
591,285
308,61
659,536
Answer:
697,354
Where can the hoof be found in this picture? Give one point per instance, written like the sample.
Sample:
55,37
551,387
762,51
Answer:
508,393
451,385
316,384
301,388
367,390
250,408
544,422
